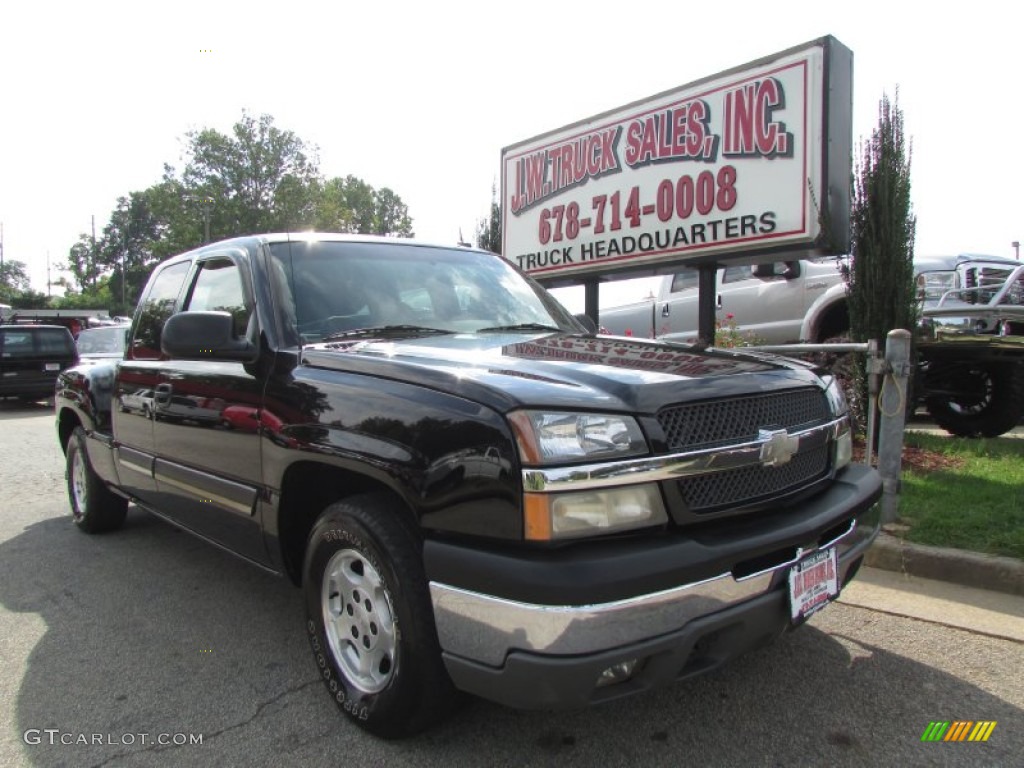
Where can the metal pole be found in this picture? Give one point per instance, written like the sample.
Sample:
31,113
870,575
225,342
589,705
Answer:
591,293
892,403
706,303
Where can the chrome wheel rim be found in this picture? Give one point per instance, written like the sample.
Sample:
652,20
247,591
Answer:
359,621
79,486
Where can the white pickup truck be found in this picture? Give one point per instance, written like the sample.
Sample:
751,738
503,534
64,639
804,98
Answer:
772,303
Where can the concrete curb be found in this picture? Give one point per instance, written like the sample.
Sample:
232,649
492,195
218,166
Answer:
970,569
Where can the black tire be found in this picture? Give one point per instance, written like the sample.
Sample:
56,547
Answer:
94,507
370,620
977,400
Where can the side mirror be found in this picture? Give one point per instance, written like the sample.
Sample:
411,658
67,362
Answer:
205,336
792,270
763,270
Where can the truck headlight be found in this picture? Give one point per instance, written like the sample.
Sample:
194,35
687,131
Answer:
839,407
836,396
932,285
555,437
575,514
844,448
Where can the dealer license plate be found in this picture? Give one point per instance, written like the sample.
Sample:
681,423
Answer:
813,583
53,366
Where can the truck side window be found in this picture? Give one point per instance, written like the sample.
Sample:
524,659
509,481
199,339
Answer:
218,287
681,281
154,309
735,274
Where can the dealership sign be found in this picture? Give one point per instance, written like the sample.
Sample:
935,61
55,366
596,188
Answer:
753,161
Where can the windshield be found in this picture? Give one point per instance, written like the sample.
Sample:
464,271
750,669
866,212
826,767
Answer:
329,288
96,341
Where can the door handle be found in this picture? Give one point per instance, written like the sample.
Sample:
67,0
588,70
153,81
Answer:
718,302
162,393
665,310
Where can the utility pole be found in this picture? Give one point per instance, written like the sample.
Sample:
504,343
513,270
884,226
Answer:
1015,244
48,282
1,245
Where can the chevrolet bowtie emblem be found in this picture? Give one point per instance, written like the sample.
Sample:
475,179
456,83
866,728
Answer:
777,446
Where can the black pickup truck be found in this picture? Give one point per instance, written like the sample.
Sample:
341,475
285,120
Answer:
474,492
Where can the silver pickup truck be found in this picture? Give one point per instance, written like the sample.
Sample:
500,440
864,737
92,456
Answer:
970,374
773,303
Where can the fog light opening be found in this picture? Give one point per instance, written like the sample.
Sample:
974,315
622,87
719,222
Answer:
617,673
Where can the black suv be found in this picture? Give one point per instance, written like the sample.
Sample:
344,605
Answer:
31,357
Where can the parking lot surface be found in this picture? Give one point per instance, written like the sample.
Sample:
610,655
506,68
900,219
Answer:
125,649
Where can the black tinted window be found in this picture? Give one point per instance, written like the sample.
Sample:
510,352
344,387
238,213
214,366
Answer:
55,341
683,280
155,308
218,287
46,342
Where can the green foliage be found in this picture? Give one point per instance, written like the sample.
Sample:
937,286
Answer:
257,178
728,334
352,205
976,504
390,214
880,277
260,178
98,297
488,231
14,280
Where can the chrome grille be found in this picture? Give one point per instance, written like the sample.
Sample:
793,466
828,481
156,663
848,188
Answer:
712,492
711,423
715,423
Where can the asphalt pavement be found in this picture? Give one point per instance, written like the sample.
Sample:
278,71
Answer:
147,647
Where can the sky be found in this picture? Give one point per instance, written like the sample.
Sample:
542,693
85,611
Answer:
421,97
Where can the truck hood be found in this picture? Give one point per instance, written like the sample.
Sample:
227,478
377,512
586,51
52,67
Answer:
514,370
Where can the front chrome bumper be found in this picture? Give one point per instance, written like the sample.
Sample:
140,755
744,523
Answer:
547,628
485,629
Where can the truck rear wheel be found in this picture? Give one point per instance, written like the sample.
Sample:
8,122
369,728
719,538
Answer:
94,507
370,620
976,400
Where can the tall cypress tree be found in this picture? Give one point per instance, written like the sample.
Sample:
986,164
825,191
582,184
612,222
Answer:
881,274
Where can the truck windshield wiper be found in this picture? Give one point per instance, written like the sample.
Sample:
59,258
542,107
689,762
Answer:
520,327
386,330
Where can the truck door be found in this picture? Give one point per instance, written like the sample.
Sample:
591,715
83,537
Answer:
676,316
137,375
767,305
207,452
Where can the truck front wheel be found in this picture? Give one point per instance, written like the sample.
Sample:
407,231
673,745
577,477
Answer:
94,507
370,621
975,400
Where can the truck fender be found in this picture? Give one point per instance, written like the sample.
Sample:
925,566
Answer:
830,300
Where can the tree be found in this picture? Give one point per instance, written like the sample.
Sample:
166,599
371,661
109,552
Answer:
126,248
880,277
258,179
880,273
391,215
14,280
351,205
83,262
345,205
488,231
